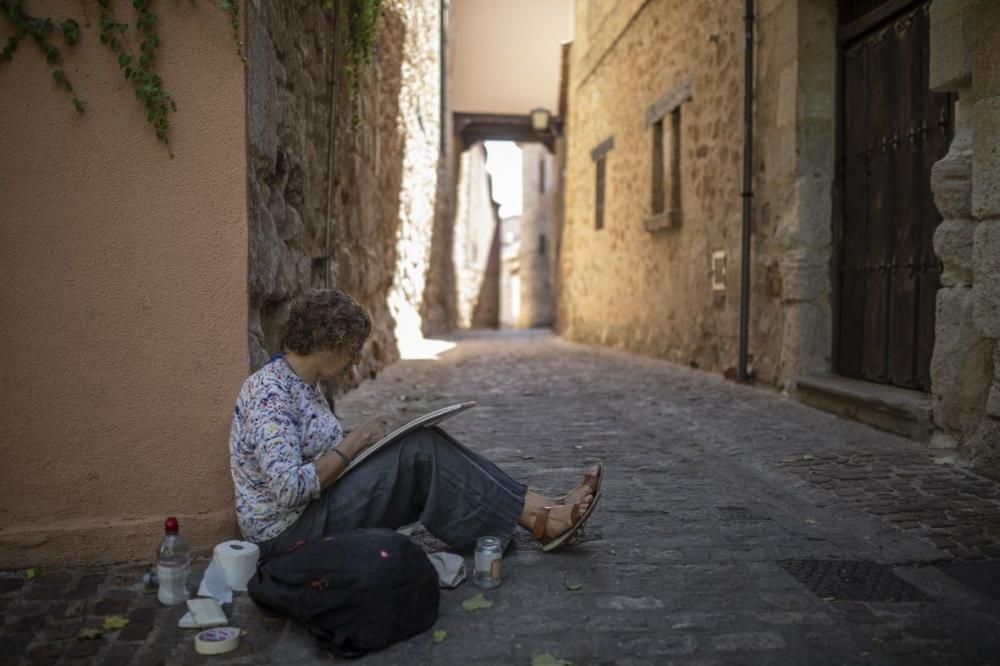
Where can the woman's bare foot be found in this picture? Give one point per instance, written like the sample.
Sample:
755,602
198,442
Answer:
582,489
559,517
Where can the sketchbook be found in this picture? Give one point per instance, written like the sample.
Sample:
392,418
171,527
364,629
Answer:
427,420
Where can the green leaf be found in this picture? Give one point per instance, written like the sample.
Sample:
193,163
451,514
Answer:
124,60
115,622
549,660
78,103
31,574
89,634
477,602
71,31
440,635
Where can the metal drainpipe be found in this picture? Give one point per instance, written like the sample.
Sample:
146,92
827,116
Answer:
742,373
330,145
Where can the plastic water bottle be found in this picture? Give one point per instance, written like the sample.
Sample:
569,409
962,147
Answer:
173,563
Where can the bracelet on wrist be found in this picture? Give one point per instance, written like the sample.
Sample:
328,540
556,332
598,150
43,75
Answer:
343,456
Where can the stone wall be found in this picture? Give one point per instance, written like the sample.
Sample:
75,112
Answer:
966,363
385,167
537,174
476,244
645,282
650,290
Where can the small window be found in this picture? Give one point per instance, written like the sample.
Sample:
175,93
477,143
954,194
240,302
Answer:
541,244
599,198
667,164
659,182
600,155
673,176
663,117
541,176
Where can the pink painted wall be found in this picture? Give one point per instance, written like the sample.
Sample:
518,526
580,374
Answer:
123,287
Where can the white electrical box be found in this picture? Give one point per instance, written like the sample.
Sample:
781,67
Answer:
719,271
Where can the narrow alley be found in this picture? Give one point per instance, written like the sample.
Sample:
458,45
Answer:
735,527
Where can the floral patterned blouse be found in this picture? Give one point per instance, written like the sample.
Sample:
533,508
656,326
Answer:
281,425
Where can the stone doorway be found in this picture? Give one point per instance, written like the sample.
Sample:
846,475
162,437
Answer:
892,130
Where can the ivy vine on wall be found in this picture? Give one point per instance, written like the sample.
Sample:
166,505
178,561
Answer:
138,66
362,33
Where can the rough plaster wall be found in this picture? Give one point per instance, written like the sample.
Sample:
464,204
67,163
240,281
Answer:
123,276
536,221
966,362
475,232
622,285
384,173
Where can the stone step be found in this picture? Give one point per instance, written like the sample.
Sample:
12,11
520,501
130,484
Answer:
896,410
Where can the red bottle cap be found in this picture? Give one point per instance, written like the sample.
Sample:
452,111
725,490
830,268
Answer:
170,525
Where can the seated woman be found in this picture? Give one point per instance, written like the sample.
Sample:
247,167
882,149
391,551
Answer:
288,451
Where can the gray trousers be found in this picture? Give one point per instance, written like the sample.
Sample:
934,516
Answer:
426,476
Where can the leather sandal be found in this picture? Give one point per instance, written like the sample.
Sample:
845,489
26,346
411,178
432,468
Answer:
593,481
572,534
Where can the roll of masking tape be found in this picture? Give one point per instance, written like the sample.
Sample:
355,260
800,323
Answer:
218,640
238,560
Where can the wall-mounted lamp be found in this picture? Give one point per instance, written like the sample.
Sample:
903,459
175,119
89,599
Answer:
540,119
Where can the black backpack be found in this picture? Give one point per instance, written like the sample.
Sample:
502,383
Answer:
356,591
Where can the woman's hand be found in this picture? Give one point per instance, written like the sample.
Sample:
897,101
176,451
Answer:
330,466
365,435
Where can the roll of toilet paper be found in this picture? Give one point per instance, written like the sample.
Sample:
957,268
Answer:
238,560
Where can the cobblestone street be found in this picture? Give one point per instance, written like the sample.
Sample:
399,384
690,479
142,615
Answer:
722,508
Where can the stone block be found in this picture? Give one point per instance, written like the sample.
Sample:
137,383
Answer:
960,367
805,217
986,159
986,277
787,96
805,341
950,49
984,448
942,441
951,182
993,402
942,10
985,54
804,275
953,242
768,7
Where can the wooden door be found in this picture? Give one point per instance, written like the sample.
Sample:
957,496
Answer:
892,131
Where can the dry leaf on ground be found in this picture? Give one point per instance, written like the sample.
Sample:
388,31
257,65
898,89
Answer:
549,660
477,602
115,622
